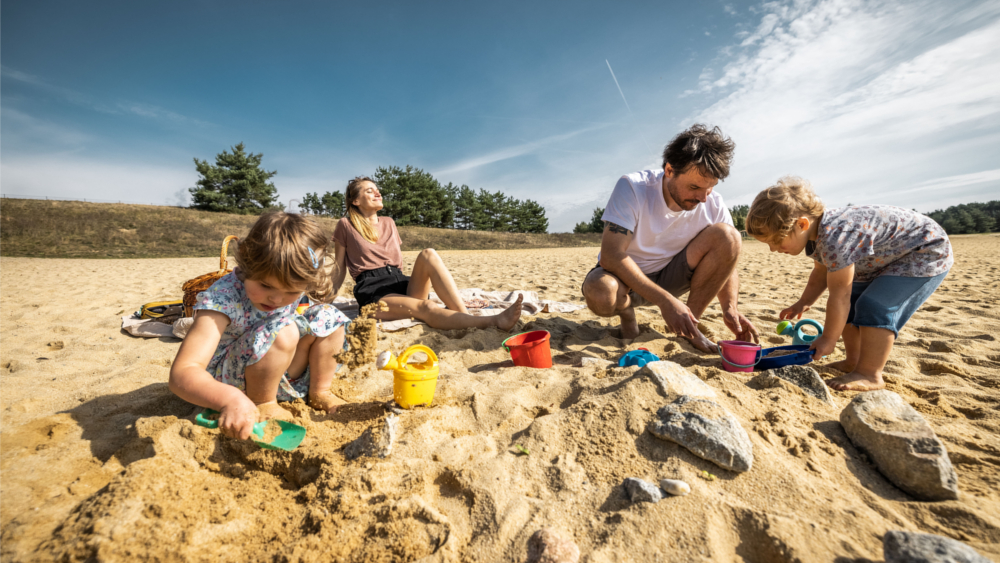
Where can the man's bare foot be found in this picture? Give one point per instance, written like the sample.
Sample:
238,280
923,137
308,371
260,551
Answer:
855,381
325,401
507,319
701,343
630,326
842,365
271,409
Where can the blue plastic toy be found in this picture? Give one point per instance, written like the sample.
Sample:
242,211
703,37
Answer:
638,357
799,337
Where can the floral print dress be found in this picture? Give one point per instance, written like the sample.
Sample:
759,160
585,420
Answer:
251,332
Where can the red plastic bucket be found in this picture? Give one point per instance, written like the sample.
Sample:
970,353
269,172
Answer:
738,355
530,349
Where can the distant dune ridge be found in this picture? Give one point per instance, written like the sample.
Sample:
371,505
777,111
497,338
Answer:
99,461
74,229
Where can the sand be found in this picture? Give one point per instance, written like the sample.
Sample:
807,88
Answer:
99,461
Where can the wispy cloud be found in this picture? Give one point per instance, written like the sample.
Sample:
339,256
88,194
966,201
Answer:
511,151
138,109
861,96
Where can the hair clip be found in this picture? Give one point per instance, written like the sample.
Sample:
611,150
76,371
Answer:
312,255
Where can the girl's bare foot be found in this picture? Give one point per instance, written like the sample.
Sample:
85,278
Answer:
507,319
271,409
842,365
325,401
855,381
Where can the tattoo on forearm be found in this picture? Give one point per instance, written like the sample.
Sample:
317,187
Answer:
616,228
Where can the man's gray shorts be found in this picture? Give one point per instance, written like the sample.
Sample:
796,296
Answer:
675,278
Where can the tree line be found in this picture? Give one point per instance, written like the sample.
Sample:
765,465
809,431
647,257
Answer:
411,196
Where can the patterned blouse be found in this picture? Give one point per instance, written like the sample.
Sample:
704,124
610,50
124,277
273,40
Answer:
881,240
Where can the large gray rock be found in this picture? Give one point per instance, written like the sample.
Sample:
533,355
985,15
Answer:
901,443
674,380
642,491
803,377
376,441
914,547
707,429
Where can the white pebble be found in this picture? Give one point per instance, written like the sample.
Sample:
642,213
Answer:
675,487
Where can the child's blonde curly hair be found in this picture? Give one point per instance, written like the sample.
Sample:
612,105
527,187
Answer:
290,247
774,211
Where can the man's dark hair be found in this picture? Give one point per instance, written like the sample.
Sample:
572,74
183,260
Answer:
700,146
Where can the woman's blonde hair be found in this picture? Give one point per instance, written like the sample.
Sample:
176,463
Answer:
774,211
290,247
359,221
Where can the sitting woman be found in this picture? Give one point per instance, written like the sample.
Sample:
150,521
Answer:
370,248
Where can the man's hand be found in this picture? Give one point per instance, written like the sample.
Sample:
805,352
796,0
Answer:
823,347
236,419
795,311
680,320
741,326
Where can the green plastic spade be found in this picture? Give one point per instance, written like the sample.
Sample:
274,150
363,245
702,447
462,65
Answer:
289,439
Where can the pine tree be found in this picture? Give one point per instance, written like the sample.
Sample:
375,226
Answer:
596,225
330,204
468,211
739,214
236,184
413,197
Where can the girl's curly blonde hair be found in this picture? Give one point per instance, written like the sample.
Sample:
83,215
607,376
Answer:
279,245
774,211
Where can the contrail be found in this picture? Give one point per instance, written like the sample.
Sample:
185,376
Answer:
628,108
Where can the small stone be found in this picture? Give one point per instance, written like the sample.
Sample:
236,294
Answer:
376,441
674,380
902,445
589,361
548,546
914,547
642,491
675,487
803,377
707,430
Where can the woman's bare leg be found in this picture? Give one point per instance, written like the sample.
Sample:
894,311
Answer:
405,307
429,271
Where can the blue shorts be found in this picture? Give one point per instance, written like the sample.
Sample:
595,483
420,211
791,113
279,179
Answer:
889,301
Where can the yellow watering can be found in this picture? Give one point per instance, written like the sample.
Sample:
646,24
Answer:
412,384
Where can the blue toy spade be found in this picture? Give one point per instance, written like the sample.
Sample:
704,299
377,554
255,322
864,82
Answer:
799,337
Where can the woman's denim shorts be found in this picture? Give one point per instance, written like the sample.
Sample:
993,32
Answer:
889,301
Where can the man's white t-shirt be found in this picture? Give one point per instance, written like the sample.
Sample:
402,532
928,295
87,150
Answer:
660,234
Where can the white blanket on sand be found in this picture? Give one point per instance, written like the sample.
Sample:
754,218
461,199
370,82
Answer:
478,302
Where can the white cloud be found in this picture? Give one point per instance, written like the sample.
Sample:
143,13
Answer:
862,97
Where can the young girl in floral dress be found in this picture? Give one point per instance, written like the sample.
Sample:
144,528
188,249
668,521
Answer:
879,262
264,332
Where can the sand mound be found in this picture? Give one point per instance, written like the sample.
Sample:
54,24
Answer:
100,462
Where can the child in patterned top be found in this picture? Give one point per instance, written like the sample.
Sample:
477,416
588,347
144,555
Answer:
264,332
879,262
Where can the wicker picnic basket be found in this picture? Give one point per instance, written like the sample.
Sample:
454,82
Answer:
193,287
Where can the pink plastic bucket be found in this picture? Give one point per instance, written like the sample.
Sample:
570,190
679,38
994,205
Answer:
738,355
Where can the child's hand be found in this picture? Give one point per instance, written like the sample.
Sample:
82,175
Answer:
795,311
236,419
823,347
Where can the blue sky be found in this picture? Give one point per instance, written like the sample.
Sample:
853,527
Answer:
874,101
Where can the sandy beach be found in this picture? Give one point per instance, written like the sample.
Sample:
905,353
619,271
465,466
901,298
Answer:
99,461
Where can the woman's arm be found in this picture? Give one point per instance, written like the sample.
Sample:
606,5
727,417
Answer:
339,268
190,380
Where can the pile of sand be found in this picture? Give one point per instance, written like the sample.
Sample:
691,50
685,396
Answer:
100,462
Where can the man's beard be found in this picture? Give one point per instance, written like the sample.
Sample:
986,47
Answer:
686,204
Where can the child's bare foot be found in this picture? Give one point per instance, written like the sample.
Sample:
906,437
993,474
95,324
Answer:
325,401
855,381
842,365
271,409
507,319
